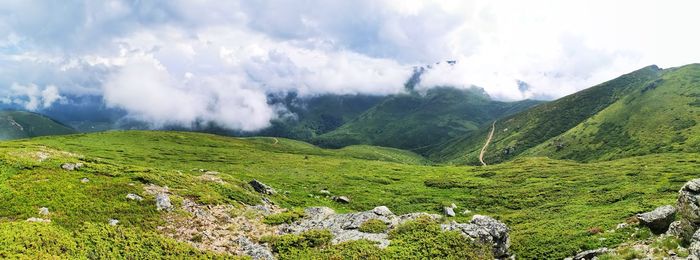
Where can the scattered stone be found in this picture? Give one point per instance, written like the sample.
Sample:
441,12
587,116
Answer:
262,188
486,230
71,166
132,196
689,201
325,192
44,211
163,202
621,226
113,222
39,220
84,180
659,219
450,212
342,199
254,250
591,254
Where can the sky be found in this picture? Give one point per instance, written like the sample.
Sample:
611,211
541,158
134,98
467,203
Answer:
175,62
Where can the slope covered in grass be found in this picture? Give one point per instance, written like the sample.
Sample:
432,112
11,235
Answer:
417,121
517,133
549,205
19,124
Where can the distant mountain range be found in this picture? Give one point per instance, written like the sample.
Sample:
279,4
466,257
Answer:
650,110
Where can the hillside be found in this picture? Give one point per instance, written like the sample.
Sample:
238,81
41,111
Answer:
517,133
549,205
19,124
418,121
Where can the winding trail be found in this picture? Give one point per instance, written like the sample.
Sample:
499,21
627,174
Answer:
486,145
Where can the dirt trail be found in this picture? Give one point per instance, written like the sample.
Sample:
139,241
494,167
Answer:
488,140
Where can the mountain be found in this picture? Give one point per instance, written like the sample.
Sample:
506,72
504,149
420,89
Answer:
646,111
418,121
19,124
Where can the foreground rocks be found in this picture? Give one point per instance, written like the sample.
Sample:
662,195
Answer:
262,187
659,219
486,230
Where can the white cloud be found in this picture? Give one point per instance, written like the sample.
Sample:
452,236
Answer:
180,62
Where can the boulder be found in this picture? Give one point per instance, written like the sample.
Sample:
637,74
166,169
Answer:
688,204
683,229
659,219
382,211
44,211
163,202
132,196
262,188
341,199
450,212
694,247
254,250
486,230
591,254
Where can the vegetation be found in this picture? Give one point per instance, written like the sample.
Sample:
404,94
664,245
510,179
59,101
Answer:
373,226
286,217
549,205
18,124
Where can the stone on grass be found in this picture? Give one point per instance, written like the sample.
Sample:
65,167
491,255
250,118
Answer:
84,180
113,222
591,254
262,187
132,196
39,220
43,211
659,219
450,212
341,199
163,202
71,166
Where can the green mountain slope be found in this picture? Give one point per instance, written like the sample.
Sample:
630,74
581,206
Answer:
418,121
549,205
19,124
661,116
519,132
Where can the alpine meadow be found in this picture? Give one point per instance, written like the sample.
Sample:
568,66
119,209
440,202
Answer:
349,130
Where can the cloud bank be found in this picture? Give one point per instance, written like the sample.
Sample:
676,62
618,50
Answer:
184,62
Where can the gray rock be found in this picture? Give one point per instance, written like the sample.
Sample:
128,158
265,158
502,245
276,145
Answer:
44,211
325,192
132,196
486,230
382,211
71,166
688,203
694,247
113,222
84,180
450,212
163,202
591,254
254,250
39,220
659,219
683,229
342,199
262,188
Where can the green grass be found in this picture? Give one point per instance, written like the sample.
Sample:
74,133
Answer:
549,204
373,226
19,124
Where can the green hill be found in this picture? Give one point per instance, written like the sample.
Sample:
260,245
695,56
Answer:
418,121
517,133
19,124
549,205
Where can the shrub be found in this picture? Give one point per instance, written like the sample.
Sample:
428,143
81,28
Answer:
424,239
291,243
373,226
286,217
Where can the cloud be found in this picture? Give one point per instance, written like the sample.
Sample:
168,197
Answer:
186,62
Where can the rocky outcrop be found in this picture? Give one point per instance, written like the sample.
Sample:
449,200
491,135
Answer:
683,229
262,188
659,219
689,201
254,250
486,230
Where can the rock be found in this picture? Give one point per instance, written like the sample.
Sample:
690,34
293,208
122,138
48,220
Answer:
453,206
254,250
659,219
39,220
382,211
688,203
486,230
591,254
342,199
621,225
683,229
44,211
325,192
113,222
694,247
262,188
450,212
163,202
84,180
132,196
71,166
